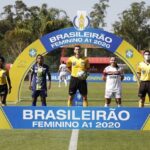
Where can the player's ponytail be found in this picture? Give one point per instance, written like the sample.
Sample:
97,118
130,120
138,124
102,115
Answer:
117,66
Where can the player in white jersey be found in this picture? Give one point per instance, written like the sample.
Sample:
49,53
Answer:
63,71
113,75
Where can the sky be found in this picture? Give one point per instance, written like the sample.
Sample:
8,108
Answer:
72,6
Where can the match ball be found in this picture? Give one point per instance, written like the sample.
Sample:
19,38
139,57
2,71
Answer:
82,75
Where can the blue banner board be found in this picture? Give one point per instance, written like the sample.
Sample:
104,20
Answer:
93,118
97,77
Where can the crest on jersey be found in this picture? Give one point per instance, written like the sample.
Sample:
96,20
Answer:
81,21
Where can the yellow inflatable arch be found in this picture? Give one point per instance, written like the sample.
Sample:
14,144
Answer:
67,36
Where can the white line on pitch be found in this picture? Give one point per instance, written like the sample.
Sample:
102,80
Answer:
74,140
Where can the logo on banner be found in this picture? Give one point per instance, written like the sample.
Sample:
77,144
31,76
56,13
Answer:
32,52
81,21
129,53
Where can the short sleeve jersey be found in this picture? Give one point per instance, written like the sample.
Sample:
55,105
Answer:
113,81
3,77
63,68
144,70
77,64
39,77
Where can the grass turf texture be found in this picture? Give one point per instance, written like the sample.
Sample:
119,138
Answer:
58,96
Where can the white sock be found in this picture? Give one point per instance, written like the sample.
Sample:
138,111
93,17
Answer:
65,82
106,105
59,83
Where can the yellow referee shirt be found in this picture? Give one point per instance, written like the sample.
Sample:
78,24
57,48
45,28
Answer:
144,70
2,77
77,64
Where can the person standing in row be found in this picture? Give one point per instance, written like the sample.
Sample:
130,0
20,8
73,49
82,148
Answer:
5,82
62,73
113,75
143,72
38,80
76,64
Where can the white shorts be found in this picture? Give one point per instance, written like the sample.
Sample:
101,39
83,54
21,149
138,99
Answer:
111,94
62,75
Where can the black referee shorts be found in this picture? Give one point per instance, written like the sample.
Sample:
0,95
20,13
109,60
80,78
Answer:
144,89
3,89
77,84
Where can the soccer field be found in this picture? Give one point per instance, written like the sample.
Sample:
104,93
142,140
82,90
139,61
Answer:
87,139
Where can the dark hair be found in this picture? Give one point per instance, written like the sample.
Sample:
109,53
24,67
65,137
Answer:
2,58
3,61
146,51
77,46
39,55
116,65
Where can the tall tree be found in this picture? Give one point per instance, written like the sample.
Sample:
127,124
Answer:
52,19
20,8
133,25
17,39
8,13
45,20
21,27
99,13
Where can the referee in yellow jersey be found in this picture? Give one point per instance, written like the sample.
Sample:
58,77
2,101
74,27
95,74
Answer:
143,72
75,64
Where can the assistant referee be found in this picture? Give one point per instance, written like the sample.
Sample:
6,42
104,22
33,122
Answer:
143,72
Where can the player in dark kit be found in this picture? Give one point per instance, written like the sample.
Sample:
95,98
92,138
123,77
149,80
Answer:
38,80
